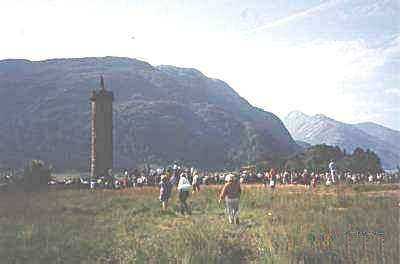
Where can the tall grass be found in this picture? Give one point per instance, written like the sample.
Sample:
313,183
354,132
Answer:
290,225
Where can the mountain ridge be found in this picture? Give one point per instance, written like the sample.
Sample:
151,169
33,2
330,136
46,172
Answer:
161,113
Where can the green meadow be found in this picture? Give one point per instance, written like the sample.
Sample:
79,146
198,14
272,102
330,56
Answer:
346,224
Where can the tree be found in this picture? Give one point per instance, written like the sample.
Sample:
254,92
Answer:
364,161
296,162
317,158
36,175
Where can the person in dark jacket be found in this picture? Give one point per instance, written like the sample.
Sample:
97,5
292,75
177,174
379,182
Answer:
165,191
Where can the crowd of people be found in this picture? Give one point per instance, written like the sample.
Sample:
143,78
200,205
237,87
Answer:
140,177
230,193
189,180
272,177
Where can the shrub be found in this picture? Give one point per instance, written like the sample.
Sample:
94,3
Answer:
36,175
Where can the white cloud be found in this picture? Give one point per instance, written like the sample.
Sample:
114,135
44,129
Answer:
298,16
329,77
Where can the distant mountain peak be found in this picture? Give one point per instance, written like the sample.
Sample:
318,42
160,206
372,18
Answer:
321,129
321,116
296,114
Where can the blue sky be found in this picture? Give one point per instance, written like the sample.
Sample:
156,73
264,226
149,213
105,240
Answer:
336,57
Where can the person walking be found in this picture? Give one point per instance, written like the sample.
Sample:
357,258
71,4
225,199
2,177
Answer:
266,178
332,168
196,182
184,188
314,178
306,178
231,193
165,191
272,179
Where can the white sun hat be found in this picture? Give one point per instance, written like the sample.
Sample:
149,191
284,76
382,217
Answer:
229,177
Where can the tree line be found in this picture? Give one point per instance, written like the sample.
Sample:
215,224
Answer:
316,158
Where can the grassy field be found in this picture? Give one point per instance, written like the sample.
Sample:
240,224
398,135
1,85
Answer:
291,225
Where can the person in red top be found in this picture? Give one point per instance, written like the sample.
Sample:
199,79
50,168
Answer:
231,193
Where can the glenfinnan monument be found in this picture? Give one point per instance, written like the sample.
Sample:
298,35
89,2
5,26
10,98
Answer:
102,132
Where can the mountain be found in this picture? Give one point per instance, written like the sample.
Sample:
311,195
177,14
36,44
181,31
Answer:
383,133
303,144
161,114
320,129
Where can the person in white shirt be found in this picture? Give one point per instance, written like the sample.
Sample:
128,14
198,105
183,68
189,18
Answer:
184,187
196,182
370,178
332,168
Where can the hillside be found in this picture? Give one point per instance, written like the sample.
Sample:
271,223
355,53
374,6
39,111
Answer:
161,114
320,129
383,133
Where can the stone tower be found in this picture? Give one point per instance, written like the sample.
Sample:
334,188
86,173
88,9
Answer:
102,131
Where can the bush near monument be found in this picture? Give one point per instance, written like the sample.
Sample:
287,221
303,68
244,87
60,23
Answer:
36,175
